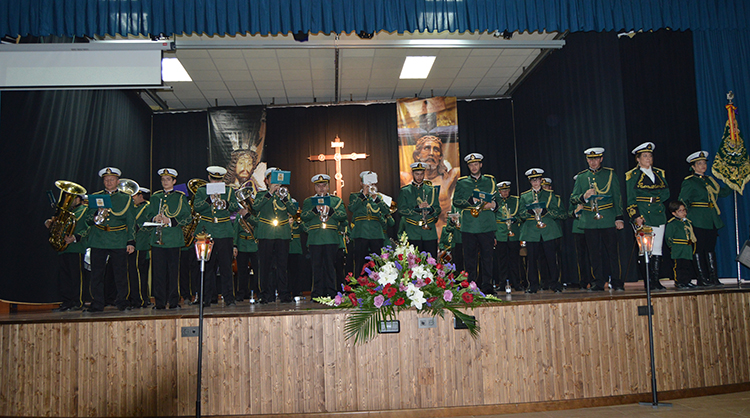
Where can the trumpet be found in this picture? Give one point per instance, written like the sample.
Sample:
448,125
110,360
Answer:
101,216
160,228
283,192
508,220
372,190
217,202
538,213
324,213
246,197
595,200
478,208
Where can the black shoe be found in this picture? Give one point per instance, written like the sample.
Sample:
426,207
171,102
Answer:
596,289
159,307
93,309
232,303
682,286
558,290
656,285
619,288
123,308
175,307
530,291
61,308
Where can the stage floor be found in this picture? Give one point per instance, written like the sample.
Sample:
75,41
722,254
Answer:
306,306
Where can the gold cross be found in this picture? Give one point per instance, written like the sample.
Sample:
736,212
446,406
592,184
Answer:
337,144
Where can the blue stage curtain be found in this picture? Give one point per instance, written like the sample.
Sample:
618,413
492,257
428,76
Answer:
230,17
722,63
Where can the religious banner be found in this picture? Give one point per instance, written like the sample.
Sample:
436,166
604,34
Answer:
236,139
732,164
428,132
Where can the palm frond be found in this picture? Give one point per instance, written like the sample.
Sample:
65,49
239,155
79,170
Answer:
362,324
470,322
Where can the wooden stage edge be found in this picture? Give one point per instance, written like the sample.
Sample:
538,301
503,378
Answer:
534,353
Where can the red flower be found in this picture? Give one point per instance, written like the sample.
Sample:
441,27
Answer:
440,283
409,273
465,283
427,280
347,288
399,302
400,257
468,297
451,276
353,298
372,284
362,281
439,266
372,292
419,260
432,299
389,290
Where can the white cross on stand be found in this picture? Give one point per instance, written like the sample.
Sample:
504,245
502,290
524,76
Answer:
337,144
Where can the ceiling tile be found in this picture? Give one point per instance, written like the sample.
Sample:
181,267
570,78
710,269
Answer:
510,60
295,85
459,92
262,63
235,75
443,72
296,74
265,75
216,94
240,85
293,53
195,104
322,63
485,91
211,85
358,64
225,53
230,64
198,64
192,54
470,71
248,101
465,82
255,54
294,63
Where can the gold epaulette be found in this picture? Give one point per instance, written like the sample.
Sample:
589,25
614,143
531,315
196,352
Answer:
462,177
630,173
489,175
692,175
527,191
582,171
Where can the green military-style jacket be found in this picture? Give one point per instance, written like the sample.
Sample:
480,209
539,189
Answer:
80,231
176,207
117,231
677,236
465,187
507,209
550,216
449,237
273,216
245,241
215,222
576,219
610,208
646,198
320,233
142,235
699,194
295,245
369,216
409,199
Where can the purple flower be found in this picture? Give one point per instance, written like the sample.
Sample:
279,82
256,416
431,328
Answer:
379,288
375,276
398,266
368,271
431,261
387,303
441,273
368,258
447,296
337,300
384,256
419,283
473,286
378,301
402,288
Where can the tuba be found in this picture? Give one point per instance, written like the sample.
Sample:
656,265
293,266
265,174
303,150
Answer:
64,220
246,197
188,230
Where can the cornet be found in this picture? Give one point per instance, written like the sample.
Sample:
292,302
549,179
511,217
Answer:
508,220
595,200
538,213
101,216
324,213
160,228
283,192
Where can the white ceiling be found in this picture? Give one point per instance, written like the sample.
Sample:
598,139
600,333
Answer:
251,70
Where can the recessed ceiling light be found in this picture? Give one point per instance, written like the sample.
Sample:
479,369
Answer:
172,70
416,67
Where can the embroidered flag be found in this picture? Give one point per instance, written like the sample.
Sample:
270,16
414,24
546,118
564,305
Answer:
732,164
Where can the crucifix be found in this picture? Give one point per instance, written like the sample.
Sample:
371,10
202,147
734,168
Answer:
337,144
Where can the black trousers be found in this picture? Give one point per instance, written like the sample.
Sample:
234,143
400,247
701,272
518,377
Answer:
429,246
535,249
189,273
245,281
165,264
683,271
458,256
603,245
478,249
138,278
324,270
362,248
508,260
582,261
70,279
294,273
273,255
118,260
221,258
706,244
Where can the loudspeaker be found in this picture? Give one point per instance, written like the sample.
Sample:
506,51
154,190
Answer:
744,256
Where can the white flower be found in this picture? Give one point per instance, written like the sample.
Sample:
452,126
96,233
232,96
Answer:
387,274
421,272
415,295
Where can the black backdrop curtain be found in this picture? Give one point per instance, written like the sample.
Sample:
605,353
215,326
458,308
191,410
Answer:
180,142
52,135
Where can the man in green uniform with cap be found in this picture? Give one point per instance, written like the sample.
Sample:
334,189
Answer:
321,215
419,207
508,246
598,190
171,209
215,209
476,197
111,239
138,261
369,216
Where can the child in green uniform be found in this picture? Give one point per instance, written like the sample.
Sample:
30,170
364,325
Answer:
681,241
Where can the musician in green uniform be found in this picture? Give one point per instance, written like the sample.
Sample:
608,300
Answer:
70,281
369,216
647,190
138,261
450,240
171,209
274,206
507,243
539,211
598,190
321,215
297,282
111,239
476,197
699,193
419,207
215,209
681,240
583,263
246,254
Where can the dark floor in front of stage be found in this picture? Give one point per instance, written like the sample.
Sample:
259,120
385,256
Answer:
718,406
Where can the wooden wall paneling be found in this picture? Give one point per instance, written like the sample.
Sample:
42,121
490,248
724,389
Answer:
681,357
608,339
664,328
743,315
708,330
256,359
547,355
729,308
490,354
186,351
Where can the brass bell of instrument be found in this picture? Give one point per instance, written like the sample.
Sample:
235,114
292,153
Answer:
127,186
64,220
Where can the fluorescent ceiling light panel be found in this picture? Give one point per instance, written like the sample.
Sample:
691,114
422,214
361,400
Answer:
416,67
172,70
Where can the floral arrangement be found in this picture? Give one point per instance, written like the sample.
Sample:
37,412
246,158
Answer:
401,278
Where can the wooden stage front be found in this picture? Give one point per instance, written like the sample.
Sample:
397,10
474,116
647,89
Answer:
543,351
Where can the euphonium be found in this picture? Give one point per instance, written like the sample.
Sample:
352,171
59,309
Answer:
188,230
64,220
246,197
